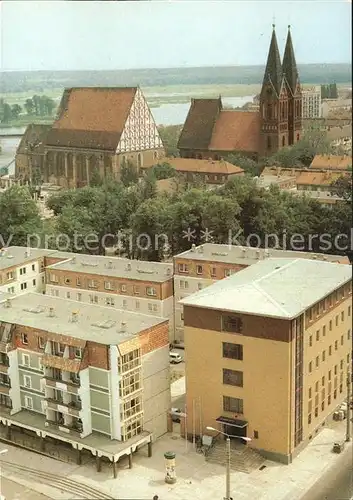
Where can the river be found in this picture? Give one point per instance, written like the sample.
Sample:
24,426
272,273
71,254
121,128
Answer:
166,114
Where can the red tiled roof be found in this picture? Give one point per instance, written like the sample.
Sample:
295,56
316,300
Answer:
204,166
199,123
331,162
318,178
92,117
236,131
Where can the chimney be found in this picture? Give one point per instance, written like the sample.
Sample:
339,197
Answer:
128,267
243,252
26,254
257,253
74,317
51,312
110,264
193,247
123,327
200,249
8,303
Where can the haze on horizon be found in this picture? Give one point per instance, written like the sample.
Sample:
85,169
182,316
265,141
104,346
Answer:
64,35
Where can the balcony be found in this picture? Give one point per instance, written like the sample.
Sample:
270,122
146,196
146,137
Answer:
72,428
4,388
66,364
72,408
62,385
4,346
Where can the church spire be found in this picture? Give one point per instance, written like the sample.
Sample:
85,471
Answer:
290,70
273,71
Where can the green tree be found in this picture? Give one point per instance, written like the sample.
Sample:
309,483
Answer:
29,106
129,174
163,171
5,113
19,216
342,187
170,136
16,110
249,166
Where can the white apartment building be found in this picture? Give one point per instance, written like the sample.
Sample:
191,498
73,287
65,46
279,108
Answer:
311,102
83,373
201,266
22,270
131,285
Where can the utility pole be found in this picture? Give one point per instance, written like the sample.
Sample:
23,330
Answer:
228,469
348,422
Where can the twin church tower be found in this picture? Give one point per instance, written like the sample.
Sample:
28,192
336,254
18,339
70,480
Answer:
280,99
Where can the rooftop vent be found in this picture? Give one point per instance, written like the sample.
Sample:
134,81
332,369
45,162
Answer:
169,271
145,271
89,264
200,249
128,267
8,303
110,264
257,253
193,247
26,254
104,324
220,254
51,312
74,317
34,310
123,327
243,251
73,260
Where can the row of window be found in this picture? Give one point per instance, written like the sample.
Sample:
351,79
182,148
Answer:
330,326
331,300
323,355
58,349
23,286
109,301
10,275
329,377
184,269
108,285
329,402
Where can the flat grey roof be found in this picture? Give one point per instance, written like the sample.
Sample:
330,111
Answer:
4,296
15,256
116,267
32,310
233,254
278,288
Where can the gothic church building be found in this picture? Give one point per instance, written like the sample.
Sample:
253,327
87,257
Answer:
213,132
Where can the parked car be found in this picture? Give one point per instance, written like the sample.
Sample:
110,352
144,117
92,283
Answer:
175,358
175,413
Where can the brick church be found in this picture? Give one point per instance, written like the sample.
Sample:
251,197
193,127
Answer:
213,132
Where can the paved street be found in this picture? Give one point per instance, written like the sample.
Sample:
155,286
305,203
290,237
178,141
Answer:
14,491
337,484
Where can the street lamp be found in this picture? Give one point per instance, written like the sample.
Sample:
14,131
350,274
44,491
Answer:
244,438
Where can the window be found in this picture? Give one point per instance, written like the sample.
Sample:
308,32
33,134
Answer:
137,304
335,369
150,291
309,418
93,299
227,273
79,297
199,269
341,365
33,267
283,141
109,301
234,405
68,295
9,275
342,339
108,285
336,345
323,355
78,352
336,320
136,290
11,290
28,402
232,377
317,335
329,375
330,350
22,271
78,281
329,400
324,331
317,361
316,386
53,278
150,306
24,338
330,326
67,281
184,284
316,412
213,272
199,286
256,434
268,137
310,341
123,288
183,268
232,324
23,286
310,367
92,283
349,334
58,348
25,359
27,381
232,351
310,393
155,308
34,282
349,310
323,381
41,343
342,316
124,304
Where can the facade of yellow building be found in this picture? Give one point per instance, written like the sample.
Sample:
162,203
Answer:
267,352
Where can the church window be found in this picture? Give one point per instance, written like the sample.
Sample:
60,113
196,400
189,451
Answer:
283,141
123,161
268,142
139,160
155,155
269,111
298,137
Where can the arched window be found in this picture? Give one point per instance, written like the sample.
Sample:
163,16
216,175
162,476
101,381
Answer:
155,155
269,111
268,142
123,161
298,137
283,141
139,160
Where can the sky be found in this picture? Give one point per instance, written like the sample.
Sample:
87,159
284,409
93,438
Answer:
67,35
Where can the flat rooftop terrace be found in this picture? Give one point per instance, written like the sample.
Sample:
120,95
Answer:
79,320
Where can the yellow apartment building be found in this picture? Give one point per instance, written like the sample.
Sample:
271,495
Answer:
267,352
